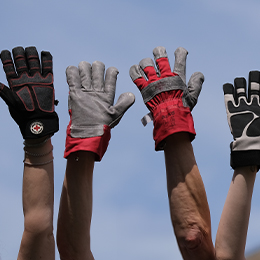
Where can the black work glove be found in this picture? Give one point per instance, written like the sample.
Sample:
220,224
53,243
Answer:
30,96
243,113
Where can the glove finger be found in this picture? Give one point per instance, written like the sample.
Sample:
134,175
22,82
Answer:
253,86
162,62
20,60
180,63
73,78
124,102
47,65
8,64
228,89
7,95
85,75
240,88
147,65
194,87
137,77
98,71
229,93
32,60
110,83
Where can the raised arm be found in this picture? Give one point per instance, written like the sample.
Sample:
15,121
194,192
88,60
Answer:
93,114
187,198
30,98
170,102
243,111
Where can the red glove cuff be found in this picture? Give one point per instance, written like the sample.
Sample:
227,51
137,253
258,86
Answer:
171,117
97,144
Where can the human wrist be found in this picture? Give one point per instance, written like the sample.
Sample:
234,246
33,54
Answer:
179,153
38,152
82,156
177,139
252,169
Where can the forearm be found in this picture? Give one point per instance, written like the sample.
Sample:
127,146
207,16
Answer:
38,198
31,101
232,231
242,107
92,115
73,231
187,197
183,177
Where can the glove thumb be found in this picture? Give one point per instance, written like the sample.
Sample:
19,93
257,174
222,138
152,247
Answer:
194,88
7,95
125,101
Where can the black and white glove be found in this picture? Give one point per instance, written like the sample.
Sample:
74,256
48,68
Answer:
243,114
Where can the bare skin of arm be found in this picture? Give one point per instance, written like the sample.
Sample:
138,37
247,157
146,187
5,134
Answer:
233,226
38,240
189,208
73,231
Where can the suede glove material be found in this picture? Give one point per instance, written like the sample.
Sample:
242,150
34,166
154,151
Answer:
91,107
166,94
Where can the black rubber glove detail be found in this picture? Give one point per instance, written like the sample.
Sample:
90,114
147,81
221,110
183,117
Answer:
30,96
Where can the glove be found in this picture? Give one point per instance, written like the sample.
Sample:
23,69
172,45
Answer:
166,95
91,108
243,118
30,96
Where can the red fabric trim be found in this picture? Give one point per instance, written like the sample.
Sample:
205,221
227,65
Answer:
170,116
97,144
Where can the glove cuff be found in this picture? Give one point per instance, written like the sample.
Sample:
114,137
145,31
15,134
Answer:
245,158
37,128
170,118
97,144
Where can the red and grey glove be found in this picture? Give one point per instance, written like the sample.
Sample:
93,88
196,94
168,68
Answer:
166,95
92,109
30,97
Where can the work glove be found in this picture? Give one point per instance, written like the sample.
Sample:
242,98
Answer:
30,96
91,107
243,115
166,94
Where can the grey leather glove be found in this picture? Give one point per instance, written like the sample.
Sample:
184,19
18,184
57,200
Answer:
91,99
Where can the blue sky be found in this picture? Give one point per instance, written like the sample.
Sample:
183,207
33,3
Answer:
130,213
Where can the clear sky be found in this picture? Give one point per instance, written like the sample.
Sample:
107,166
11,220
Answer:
131,215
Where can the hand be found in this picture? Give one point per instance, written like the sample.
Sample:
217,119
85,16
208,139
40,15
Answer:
243,113
166,95
91,106
30,96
